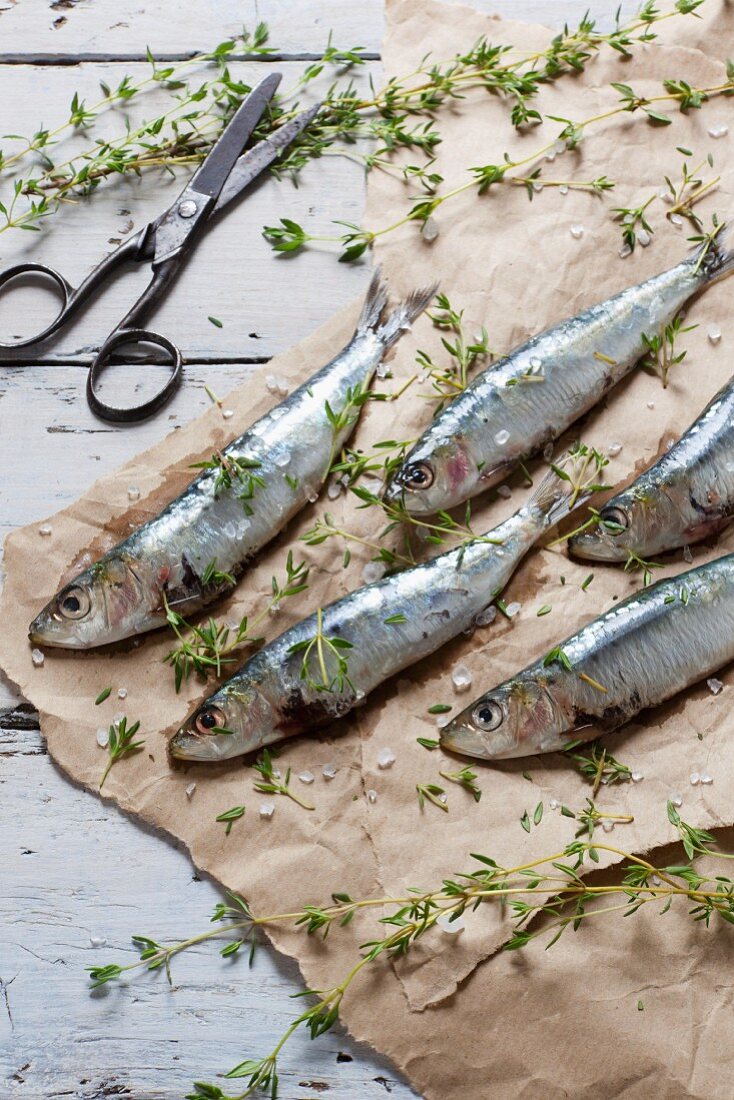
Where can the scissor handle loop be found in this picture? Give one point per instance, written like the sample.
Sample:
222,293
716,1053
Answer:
60,283
129,414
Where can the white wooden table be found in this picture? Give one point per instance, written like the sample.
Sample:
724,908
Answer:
78,878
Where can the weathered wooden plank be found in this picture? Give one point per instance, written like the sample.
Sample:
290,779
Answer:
82,28
265,302
78,879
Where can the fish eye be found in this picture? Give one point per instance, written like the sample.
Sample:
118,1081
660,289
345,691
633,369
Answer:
208,719
75,603
487,715
417,475
615,520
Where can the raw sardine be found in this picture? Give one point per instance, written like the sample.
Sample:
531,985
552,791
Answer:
366,637
641,652
685,497
191,553
519,404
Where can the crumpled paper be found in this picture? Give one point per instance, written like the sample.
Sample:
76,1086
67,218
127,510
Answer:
526,1024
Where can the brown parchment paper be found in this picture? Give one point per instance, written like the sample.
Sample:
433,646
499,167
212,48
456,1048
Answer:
561,1024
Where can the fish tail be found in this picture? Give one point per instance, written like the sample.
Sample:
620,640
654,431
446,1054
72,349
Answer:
402,317
555,496
374,304
714,258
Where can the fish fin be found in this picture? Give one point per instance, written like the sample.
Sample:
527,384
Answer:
714,258
555,496
403,316
374,304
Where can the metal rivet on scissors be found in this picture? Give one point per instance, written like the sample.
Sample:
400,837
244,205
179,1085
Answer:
219,179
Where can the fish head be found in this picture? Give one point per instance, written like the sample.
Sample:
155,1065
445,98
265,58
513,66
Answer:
231,722
101,605
516,719
633,522
433,476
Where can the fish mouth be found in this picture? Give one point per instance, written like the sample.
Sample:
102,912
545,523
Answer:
595,548
40,635
465,741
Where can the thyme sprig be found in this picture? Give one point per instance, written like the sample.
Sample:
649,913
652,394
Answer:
325,661
271,783
211,646
661,353
551,891
121,744
597,764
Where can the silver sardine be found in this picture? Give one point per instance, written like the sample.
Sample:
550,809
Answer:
189,555
687,495
378,629
524,401
638,654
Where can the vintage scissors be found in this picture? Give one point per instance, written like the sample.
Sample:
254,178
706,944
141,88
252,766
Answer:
164,243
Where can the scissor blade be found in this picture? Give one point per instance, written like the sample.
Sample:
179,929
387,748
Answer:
211,176
252,163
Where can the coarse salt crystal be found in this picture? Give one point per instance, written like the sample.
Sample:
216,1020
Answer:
687,554
637,777
227,414
715,686
429,232
537,186
37,657
122,693
372,796
385,759
577,232
676,799
607,826
103,737
718,131
563,189
504,491
548,452
267,809
644,238
442,798
624,252
502,437
666,196
484,618
271,383
553,804
614,449
651,404
706,778
373,571
676,220
559,145
118,718
328,771
461,679
45,531
446,924
695,779
334,489
133,493
512,609
306,777
277,773
714,334
656,880
97,941
190,790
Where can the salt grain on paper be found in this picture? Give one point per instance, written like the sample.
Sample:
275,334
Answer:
267,809
385,759
715,686
513,609
373,571
706,778
103,737
577,232
37,657
625,251
644,238
227,414
563,189
695,779
190,789
607,826
372,796
446,924
718,131
44,531
461,679
714,334
306,777
328,771
676,220
133,493
553,804
122,693
97,941
676,799
637,777
429,232
614,449
334,490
